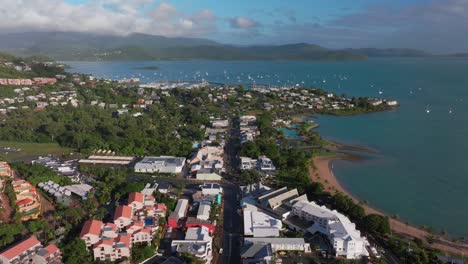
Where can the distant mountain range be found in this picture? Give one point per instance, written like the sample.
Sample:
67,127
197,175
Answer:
92,47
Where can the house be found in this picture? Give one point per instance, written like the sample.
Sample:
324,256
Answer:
208,174
179,212
211,189
123,216
204,210
197,242
31,251
247,163
220,123
164,188
265,164
162,164
276,198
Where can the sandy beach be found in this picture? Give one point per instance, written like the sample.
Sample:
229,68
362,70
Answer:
323,173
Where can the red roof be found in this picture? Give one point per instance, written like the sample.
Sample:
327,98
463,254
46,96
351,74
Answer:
124,239
20,248
51,249
92,227
104,242
112,225
123,211
161,206
24,202
135,197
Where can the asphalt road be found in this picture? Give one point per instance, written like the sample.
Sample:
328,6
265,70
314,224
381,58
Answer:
232,226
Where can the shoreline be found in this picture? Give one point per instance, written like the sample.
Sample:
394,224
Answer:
323,173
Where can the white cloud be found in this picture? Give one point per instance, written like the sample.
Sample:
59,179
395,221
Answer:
165,11
104,16
204,14
186,23
242,22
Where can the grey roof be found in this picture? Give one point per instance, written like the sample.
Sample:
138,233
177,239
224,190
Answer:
256,251
274,240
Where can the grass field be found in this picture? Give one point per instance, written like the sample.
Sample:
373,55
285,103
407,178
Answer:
29,150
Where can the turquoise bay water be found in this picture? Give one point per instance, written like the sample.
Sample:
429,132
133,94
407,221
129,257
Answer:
421,170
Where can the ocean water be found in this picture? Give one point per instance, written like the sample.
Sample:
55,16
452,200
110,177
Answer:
421,170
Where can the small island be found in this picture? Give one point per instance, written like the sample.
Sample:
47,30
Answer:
147,68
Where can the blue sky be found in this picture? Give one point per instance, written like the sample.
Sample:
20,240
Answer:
433,25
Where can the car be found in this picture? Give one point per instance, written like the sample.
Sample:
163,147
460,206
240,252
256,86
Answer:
221,251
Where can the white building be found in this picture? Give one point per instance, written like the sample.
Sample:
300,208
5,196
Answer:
342,233
162,164
204,210
211,189
247,163
197,243
258,224
281,244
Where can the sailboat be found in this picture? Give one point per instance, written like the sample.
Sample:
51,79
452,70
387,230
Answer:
427,109
380,91
450,110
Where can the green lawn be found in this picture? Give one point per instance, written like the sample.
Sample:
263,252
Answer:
30,149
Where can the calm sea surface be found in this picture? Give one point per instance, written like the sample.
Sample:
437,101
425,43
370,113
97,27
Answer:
421,171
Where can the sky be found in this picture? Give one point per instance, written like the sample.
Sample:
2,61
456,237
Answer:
438,26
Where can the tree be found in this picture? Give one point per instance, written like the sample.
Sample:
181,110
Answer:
75,252
377,224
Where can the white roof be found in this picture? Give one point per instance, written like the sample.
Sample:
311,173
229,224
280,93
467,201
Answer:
274,240
259,224
338,224
79,189
204,211
198,233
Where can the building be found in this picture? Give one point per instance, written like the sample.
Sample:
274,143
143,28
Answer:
265,164
112,249
136,222
91,232
31,251
276,198
5,173
5,170
211,189
27,200
197,242
204,210
80,190
281,244
208,174
123,216
247,163
342,233
258,224
164,188
162,164
108,161
257,254
220,123
59,193
179,212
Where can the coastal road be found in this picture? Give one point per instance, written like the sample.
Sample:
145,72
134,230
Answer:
232,226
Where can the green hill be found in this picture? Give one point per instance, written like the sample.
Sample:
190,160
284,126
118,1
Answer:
85,46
